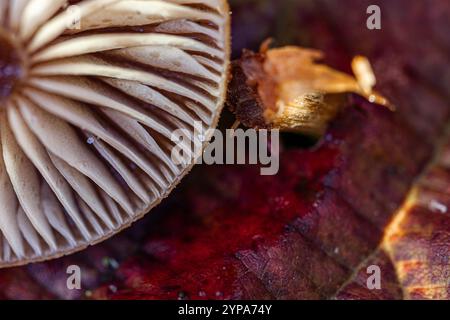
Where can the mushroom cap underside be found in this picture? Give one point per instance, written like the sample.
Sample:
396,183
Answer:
87,125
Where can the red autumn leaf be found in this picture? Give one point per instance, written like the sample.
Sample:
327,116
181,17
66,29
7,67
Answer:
312,230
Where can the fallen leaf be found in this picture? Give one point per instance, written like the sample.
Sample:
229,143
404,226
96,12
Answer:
311,231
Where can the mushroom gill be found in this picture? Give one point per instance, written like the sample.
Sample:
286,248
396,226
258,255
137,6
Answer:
90,94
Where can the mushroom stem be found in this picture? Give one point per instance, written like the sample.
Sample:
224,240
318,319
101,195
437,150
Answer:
11,64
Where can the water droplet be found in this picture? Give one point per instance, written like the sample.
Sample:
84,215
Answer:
112,288
110,263
202,294
437,206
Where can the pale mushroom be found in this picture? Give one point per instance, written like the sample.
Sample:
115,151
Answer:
91,92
